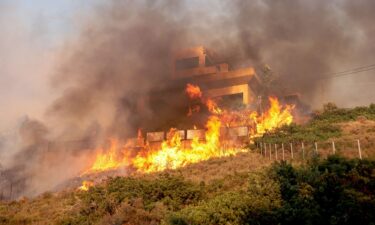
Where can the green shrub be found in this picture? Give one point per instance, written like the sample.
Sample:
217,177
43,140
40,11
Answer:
139,196
333,191
232,207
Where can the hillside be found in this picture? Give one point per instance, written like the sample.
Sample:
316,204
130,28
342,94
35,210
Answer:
247,188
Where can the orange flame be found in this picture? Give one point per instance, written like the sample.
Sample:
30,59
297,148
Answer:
276,116
86,185
212,107
193,91
172,155
113,158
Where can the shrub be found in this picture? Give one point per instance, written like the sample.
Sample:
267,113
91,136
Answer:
333,191
234,207
140,196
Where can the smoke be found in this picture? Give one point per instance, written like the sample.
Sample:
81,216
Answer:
304,42
105,77
124,54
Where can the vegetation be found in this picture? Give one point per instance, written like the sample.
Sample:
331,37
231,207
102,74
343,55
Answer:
322,126
331,191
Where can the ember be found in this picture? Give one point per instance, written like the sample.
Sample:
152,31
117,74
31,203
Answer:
86,185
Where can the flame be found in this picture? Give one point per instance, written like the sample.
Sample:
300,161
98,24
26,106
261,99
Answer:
275,117
212,107
172,155
113,158
86,185
193,91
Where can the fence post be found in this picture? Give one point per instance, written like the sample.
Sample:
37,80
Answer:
282,146
261,148
11,191
265,149
303,151
359,149
276,151
333,147
291,149
316,148
270,147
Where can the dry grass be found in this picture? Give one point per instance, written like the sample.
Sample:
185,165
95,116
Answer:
218,168
45,209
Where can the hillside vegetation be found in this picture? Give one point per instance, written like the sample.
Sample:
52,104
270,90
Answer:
244,189
330,191
341,126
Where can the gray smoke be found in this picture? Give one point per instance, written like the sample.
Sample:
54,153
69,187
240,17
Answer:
123,54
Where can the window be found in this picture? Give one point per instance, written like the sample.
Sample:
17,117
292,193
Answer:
188,63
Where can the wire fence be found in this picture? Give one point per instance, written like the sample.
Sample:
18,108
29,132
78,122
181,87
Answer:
307,150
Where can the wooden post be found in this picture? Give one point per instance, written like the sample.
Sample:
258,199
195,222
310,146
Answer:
270,151
316,148
11,190
291,149
265,149
282,146
303,151
261,148
276,151
359,149
333,147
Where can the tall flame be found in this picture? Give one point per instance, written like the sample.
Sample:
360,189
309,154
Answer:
275,117
194,92
114,157
172,155
212,107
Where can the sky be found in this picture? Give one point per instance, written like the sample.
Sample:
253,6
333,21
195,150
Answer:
31,34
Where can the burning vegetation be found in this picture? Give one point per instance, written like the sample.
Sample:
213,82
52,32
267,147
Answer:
175,152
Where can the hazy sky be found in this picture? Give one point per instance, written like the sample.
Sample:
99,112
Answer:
31,33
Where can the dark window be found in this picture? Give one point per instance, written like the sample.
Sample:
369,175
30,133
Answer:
188,63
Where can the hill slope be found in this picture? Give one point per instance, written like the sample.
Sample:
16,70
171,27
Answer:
246,188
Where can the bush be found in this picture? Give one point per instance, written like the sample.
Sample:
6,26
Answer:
297,133
139,196
234,207
321,127
334,191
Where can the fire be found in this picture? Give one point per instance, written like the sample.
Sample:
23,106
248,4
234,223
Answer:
86,185
275,117
173,152
212,107
113,158
172,155
193,91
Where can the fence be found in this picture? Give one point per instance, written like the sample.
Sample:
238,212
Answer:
305,150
